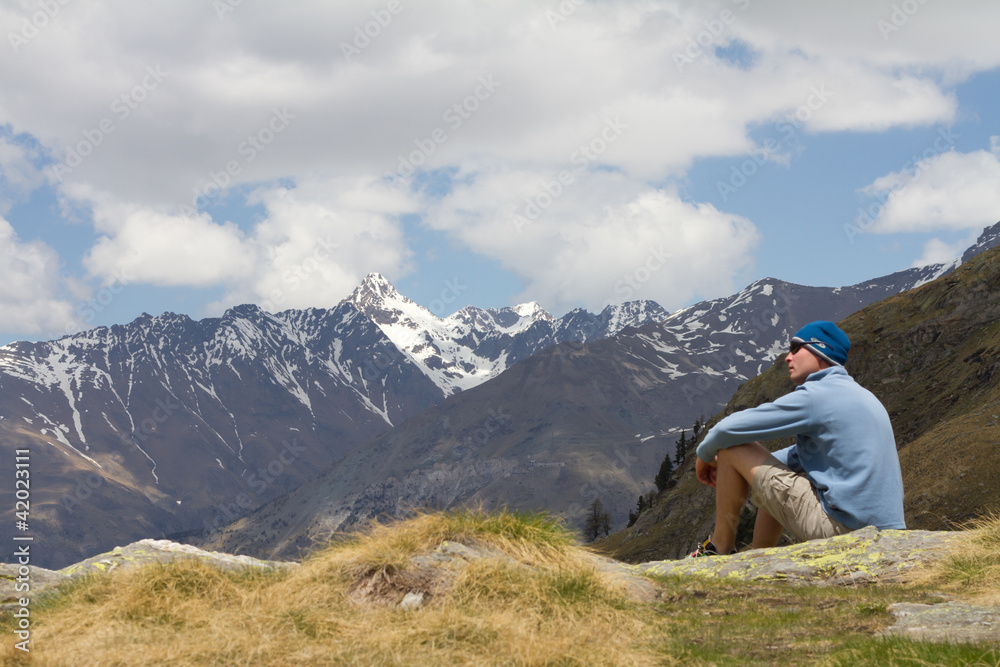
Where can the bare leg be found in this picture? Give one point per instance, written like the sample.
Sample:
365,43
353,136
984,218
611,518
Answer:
731,492
736,469
766,531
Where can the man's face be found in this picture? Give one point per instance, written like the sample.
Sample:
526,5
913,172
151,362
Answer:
802,363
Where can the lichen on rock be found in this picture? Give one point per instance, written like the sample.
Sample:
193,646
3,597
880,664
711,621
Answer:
863,556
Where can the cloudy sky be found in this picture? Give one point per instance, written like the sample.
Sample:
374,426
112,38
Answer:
190,156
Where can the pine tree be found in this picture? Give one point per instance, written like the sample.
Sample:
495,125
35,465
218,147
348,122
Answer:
641,506
680,449
662,478
597,521
605,526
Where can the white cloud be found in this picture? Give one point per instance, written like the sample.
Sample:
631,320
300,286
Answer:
601,239
167,98
18,173
220,80
29,287
162,249
956,35
951,190
153,246
319,241
314,246
937,251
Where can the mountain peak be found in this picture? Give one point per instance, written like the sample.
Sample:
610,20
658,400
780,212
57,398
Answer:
376,284
988,239
532,310
376,294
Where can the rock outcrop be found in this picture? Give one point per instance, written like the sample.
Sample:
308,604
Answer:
137,554
864,556
945,622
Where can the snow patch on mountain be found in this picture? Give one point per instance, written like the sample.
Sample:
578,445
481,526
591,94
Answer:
935,271
474,345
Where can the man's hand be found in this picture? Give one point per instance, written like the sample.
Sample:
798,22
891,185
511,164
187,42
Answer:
706,471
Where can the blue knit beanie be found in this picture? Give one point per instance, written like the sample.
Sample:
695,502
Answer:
825,340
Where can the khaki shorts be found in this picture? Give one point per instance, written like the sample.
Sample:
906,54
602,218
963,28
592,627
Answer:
791,499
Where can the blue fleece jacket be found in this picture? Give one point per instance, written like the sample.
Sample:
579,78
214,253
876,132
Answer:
844,445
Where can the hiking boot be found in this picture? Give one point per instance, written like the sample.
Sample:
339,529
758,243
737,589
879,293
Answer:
706,548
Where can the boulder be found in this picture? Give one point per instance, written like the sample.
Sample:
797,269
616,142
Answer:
863,556
145,552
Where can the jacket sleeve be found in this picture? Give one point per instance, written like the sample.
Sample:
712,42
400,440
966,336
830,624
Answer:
790,457
789,415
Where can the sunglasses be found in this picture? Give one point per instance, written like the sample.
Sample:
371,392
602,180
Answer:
797,345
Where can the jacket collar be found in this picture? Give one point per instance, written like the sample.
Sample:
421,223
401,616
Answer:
820,374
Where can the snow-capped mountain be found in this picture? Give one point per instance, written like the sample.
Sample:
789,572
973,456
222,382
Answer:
182,425
474,345
167,424
741,335
990,238
570,423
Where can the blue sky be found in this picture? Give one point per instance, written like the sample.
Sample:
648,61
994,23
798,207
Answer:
192,156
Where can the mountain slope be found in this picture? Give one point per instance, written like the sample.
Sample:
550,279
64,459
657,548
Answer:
932,356
564,426
166,425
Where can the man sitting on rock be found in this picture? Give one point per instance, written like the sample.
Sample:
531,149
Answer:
841,474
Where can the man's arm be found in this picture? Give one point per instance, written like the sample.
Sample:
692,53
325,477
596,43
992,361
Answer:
787,416
790,457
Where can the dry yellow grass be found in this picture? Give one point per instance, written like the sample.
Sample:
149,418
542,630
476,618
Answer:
530,597
340,607
973,570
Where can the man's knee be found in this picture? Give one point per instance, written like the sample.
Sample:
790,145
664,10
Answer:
744,458
739,452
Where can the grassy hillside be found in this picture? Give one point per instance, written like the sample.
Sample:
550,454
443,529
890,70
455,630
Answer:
533,598
932,356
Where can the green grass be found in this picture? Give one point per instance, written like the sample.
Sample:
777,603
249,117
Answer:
714,622
906,653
